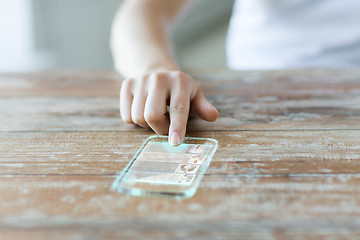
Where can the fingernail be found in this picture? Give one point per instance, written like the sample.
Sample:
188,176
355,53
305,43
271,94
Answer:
175,139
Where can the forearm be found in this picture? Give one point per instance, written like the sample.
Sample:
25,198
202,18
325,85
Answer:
142,53
140,36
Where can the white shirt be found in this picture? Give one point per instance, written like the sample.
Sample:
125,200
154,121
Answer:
277,34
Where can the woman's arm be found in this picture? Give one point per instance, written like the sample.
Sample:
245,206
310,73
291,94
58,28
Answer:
142,52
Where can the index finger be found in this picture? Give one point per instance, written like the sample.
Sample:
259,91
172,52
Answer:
179,113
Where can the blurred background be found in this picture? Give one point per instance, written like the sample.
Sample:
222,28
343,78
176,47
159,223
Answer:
63,34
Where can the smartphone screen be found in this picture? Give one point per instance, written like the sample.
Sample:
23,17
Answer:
160,169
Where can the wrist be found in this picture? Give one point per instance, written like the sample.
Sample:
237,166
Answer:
160,67
141,68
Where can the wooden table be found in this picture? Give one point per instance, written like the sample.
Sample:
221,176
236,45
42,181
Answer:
287,166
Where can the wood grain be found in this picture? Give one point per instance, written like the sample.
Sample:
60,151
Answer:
247,101
223,205
287,166
240,152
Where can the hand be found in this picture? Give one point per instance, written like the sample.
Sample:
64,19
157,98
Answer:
144,101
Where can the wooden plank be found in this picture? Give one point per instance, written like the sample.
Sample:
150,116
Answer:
218,198
179,234
106,83
62,145
283,99
223,205
61,114
60,84
240,152
257,100
99,114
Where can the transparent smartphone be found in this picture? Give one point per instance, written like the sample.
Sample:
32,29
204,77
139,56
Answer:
158,169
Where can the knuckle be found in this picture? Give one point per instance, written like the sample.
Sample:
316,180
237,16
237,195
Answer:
159,79
127,83
138,120
179,108
183,81
146,75
127,120
140,82
182,77
125,117
152,118
158,75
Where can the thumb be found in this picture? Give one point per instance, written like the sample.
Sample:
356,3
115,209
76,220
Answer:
200,106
